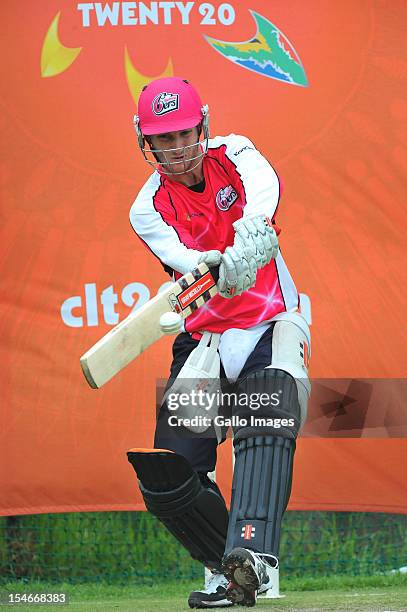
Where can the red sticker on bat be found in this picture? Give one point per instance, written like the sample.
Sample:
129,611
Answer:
193,292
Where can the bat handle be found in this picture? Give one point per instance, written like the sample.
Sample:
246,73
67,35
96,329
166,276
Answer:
215,273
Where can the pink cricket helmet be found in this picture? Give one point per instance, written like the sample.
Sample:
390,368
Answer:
168,105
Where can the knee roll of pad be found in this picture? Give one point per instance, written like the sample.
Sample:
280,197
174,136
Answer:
261,490
291,350
195,514
267,404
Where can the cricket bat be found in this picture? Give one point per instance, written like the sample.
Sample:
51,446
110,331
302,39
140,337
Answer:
141,328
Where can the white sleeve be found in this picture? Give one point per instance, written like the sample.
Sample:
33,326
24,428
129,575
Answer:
164,240
260,181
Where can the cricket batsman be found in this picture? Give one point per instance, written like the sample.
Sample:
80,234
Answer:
214,200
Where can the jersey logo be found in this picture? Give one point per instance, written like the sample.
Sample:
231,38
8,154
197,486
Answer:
165,103
243,149
226,197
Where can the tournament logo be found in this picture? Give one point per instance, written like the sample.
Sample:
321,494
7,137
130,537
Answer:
226,197
165,103
268,53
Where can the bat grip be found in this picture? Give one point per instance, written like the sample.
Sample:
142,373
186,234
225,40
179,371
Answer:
215,273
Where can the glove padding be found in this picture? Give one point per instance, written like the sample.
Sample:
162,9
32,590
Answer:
237,271
257,232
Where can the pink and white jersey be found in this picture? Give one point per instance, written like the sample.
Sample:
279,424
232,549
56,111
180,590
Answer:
177,224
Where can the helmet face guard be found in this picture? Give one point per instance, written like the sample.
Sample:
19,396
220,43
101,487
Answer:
158,159
168,105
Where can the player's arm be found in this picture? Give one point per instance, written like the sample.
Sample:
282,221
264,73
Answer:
260,181
154,220
256,240
262,189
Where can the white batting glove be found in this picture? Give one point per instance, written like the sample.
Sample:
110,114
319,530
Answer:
211,258
258,232
237,271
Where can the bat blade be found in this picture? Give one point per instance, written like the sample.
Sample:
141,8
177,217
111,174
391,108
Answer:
141,328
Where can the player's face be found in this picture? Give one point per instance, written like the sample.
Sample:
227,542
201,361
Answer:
178,152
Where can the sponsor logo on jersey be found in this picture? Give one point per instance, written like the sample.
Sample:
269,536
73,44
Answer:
164,103
248,532
188,217
243,149
226,197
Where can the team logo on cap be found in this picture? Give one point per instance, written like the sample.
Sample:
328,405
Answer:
226,197
165,103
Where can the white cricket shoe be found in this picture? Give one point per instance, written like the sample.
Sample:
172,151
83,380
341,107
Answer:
248,575
213,595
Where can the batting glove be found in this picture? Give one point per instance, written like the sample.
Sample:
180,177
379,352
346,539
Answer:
237,271
210,258
257,231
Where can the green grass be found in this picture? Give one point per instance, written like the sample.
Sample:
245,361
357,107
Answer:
353,594
118,546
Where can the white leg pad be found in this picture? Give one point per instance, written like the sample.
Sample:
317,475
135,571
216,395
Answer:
291,348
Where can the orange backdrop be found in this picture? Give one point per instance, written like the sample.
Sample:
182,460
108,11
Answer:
71,266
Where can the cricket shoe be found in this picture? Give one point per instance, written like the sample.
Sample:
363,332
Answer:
248,574
213,595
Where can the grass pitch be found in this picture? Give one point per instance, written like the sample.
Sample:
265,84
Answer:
339,594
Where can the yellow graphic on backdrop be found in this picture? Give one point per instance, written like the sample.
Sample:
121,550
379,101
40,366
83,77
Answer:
136,80
55,57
